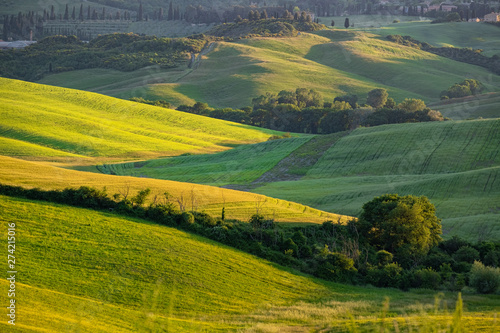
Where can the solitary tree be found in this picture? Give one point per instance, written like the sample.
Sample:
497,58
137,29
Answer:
346,23
170,16
377,98
333,23
140,13
405,226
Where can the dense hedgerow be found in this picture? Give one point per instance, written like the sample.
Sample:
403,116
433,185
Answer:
330,251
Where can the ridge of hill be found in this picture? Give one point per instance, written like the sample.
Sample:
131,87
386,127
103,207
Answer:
88,127
334,62
237,205
88,271
454,163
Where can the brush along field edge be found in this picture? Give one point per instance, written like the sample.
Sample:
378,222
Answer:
238,205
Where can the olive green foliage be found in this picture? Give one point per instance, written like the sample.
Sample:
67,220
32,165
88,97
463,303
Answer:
264,27
377,98
405,226
484,279
123,52
303,111
465,88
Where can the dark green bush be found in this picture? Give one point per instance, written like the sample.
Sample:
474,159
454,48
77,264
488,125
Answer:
484,279
466,254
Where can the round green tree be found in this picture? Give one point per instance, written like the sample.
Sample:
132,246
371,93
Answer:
403,226
377,98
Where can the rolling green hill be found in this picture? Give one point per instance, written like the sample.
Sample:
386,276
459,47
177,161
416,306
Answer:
80,270
479,106
238,205
455,34
241,165
454,163
85,126
334,62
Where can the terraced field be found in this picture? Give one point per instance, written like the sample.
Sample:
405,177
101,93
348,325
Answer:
85,126
96,272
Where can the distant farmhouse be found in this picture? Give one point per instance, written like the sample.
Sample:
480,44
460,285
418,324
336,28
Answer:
444,7
492,17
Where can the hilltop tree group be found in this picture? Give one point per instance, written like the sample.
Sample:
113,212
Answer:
304,111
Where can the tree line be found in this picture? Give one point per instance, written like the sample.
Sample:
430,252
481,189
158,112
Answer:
303,111
396,242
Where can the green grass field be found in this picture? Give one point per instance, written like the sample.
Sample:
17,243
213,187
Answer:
241,165
454,163
333,61
85,125
479,106
85,271
456,34
238,205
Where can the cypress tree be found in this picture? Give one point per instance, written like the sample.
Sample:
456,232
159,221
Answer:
66,13
346,23
170,16
80,15
140,13
73,14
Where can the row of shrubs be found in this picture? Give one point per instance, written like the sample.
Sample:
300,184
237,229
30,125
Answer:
330,251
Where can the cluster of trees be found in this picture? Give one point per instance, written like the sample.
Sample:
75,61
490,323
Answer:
303,111
395,243
125,52
272,27
465,88
467,55
22,25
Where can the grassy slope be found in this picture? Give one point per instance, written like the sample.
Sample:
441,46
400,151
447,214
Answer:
334,62
238,205
479,106
455,34
80,270
455,164
87,125
240,165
